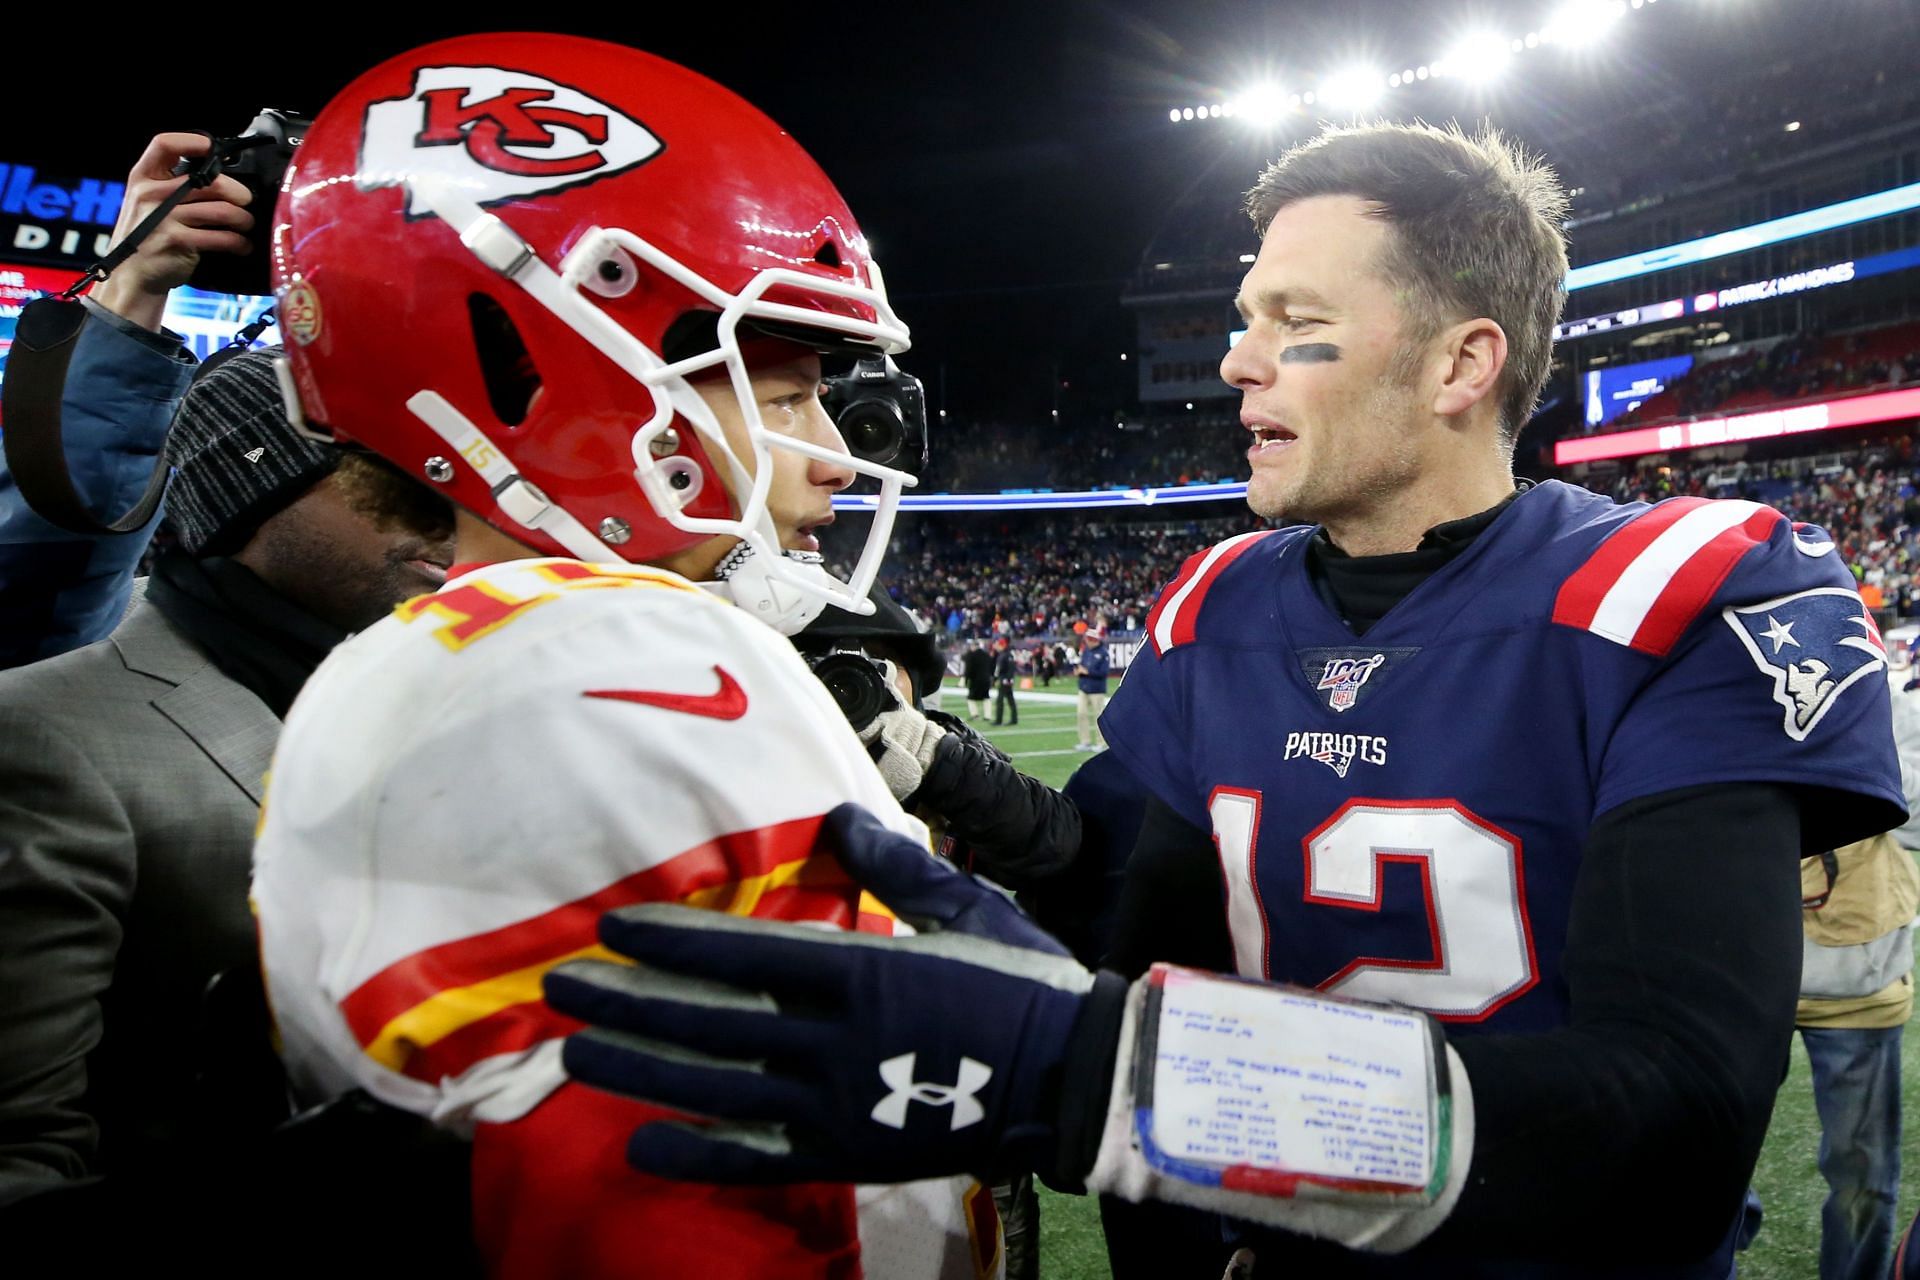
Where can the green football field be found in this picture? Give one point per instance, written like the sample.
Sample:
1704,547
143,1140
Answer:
1787,1180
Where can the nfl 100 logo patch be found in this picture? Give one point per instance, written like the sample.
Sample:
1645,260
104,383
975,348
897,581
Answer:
1345,676
1342,678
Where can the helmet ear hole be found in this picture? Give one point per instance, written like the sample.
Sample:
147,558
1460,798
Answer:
828,255
683,477
506,366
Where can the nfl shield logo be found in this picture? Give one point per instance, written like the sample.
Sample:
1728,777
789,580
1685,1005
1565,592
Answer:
1344,676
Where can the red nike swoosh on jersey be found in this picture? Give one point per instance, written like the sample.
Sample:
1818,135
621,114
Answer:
729,703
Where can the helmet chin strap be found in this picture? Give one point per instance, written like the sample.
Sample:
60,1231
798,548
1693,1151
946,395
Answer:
750,581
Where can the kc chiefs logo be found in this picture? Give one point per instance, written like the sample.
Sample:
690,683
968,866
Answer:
498,134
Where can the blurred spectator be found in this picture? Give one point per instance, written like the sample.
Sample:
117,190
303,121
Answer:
1004,674
1856,994
1092,670
976,668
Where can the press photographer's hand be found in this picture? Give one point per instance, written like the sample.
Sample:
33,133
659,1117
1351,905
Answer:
214,219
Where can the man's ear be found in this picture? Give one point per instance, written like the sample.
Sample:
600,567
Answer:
1476,352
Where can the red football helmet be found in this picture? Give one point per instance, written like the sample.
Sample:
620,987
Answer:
499,257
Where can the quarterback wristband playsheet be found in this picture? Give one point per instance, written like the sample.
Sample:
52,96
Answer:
1289,1093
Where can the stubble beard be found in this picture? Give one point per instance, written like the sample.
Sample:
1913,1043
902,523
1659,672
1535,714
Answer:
1351,480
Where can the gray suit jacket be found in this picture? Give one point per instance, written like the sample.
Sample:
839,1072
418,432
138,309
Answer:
130,780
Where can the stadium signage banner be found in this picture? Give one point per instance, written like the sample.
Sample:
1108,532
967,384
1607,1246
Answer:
1048,500
1612,392
1826,415
1880,204
1818,278
56,220
1753,291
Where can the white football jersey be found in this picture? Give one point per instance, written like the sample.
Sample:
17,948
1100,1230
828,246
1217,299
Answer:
462,790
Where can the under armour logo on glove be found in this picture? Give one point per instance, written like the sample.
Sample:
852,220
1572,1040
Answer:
769,1032
898,1075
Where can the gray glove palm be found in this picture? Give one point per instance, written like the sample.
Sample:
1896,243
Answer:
901,742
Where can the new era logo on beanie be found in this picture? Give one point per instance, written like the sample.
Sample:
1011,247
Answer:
236,458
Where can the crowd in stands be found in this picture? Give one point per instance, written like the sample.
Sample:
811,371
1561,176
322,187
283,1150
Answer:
1799,368
1198,448
1029,575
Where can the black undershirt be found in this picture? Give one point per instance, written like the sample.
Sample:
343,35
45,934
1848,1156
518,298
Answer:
1682,964
1360,589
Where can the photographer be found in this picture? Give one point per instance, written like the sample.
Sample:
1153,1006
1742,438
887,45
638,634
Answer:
985,814
135,1082
992,818
60,590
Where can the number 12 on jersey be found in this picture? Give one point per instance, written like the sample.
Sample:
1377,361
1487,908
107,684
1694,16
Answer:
1480,954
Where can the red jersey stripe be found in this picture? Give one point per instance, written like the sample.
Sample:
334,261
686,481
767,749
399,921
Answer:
1698,579
1186,619
1581,594
570,927
1180,580
510,1030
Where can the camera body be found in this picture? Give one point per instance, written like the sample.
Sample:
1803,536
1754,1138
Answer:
258,166
858,683
881,413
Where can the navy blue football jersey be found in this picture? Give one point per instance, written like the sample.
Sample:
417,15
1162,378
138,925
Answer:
1401,817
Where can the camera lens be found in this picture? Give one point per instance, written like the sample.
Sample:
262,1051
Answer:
856,685
873,430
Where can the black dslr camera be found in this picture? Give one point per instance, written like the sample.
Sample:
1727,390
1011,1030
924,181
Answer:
257,160
881,413
858,683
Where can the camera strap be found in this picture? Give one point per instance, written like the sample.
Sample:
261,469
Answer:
43,346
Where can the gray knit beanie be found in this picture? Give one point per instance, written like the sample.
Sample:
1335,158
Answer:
236,458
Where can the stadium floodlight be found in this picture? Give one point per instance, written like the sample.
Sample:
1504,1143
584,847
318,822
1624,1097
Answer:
1353,89
1479,58
1173,114
1577,24
1261,105
1186,113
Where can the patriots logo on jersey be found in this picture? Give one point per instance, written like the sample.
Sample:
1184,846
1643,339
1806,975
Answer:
1337,751
1815,645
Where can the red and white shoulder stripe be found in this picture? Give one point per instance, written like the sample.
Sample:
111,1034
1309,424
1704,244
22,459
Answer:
1174,616
1649,580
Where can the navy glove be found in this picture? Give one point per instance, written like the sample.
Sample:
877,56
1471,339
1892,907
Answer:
978,1046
